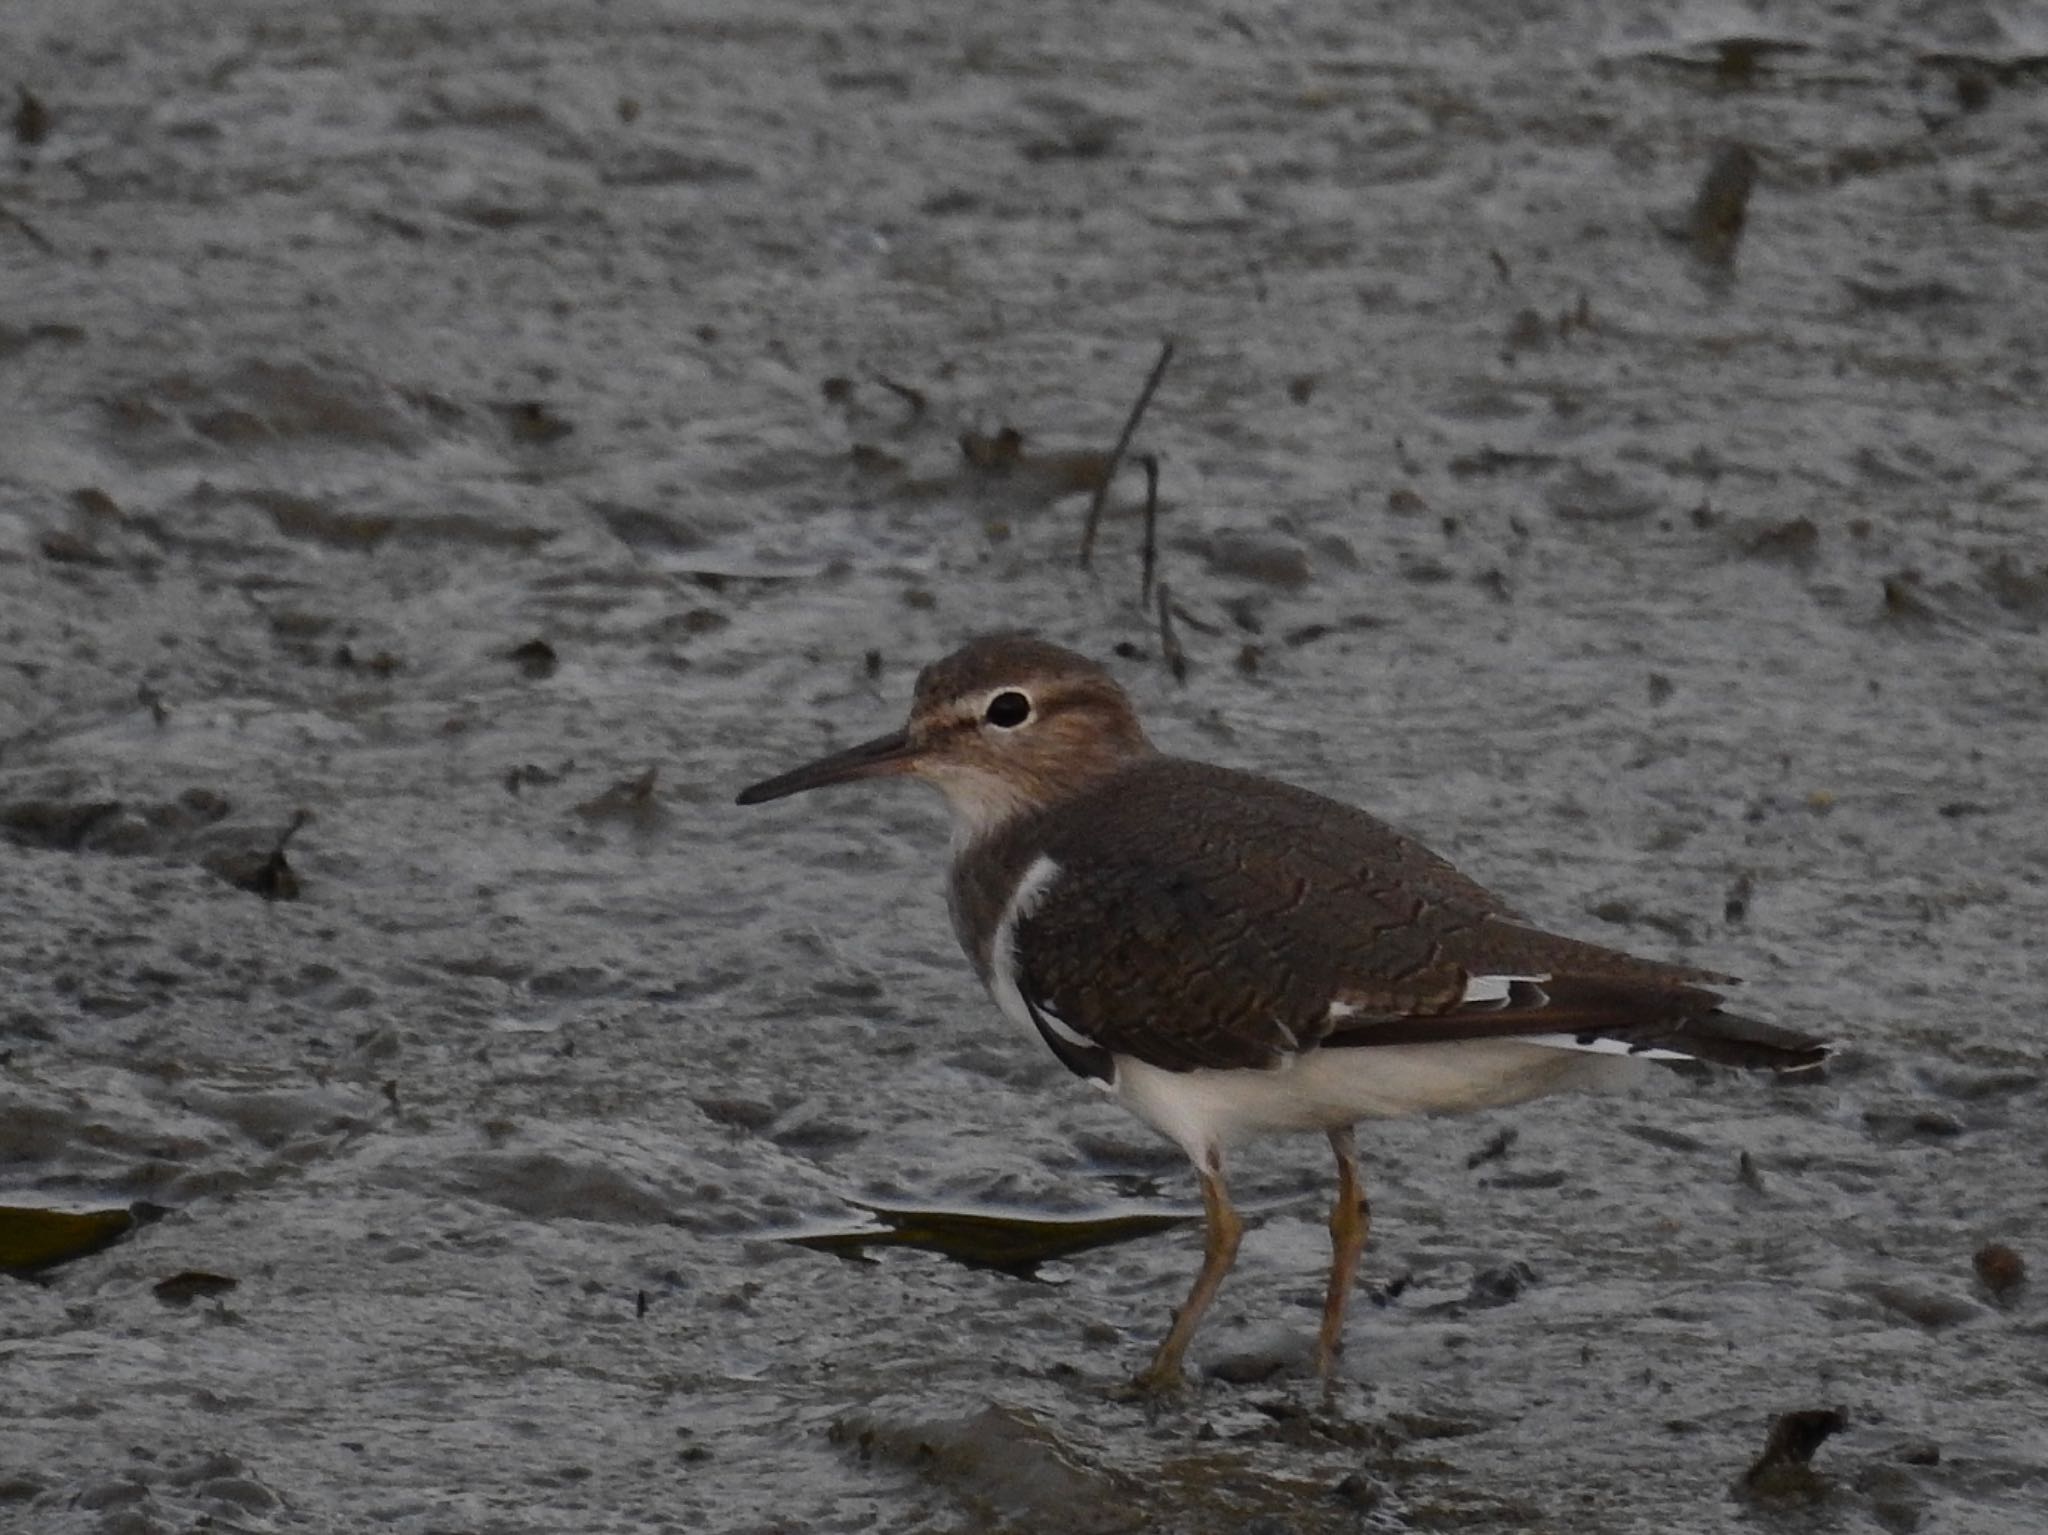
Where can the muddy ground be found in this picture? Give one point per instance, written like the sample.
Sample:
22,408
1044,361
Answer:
1696,604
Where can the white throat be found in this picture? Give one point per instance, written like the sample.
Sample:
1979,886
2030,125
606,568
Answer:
982,804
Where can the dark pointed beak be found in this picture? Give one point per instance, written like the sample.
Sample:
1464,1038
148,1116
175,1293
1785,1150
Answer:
887,754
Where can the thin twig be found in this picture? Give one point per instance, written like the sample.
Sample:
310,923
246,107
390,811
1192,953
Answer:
1150,462
1199,625
1116,454
33,235
914,398
1169,642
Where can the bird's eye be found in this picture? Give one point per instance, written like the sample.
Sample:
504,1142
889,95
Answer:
1006,711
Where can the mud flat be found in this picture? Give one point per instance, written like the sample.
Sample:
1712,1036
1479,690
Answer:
446,450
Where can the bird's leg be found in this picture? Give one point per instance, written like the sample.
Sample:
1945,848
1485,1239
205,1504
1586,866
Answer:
1219,1250
1350,1220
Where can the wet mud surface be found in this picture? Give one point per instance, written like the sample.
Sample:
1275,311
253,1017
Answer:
498,433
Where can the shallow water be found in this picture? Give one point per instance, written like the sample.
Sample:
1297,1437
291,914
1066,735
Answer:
344,351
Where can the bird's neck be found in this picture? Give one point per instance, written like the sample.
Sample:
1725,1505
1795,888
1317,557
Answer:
985,805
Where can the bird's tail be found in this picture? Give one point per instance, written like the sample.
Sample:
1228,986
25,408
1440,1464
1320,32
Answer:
1723,1038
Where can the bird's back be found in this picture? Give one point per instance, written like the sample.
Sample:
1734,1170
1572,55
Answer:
1201,916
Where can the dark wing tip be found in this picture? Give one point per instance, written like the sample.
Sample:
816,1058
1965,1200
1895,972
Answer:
1723,1038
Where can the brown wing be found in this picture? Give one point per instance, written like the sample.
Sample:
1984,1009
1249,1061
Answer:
1239,921
1166,962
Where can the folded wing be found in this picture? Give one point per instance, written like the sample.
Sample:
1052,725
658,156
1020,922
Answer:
1191,953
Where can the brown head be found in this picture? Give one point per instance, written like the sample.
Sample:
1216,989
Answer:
1004,724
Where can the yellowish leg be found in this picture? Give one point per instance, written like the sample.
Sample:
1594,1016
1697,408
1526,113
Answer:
1350,1220
1219,1250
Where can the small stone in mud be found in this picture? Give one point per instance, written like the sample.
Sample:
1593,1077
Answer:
2016,588
1735,908
531,775
1999,1269
1783,1468
531,422
993,455
31,118
1249,1367
1494,1149
193,1284
1359,1491
1924,1306
1267,561
1384,1295
1893,1125
1528,332
536,658
271,875
1496,1286
1747,1175
1499,1285
1077,133
1973,90
61,546
96,506
1713,229
1794,541
1896,297
382,664
628,799
1735,59
1596,496
273,879
866,458
1903,602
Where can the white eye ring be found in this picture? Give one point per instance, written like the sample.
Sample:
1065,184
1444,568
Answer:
1008,709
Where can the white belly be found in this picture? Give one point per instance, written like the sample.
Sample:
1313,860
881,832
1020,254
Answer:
1328,1088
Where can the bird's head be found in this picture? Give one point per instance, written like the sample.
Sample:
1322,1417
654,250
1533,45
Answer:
1004,725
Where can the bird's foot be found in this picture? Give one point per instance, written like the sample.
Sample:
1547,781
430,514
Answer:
1332,1380
1154,1385
1325,1361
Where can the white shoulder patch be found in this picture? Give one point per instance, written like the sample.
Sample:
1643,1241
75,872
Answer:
1496,988
1002,953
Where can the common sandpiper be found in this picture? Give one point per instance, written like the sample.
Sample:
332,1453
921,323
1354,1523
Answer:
1230,955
